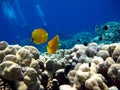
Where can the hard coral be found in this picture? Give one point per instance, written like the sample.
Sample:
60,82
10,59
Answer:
80,78
111,49
7,84
103,53
109,32
91,51
116,52
12,58
109,61
24,56
11,70
21,86
113,71
3,45
31,79
10,50
67,87
35,53
2,55
71,75
96,82
113,88
118,60
34,64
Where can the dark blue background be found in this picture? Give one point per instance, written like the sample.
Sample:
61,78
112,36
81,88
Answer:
61,16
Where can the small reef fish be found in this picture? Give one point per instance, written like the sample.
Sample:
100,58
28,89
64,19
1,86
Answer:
39,36
100,38
106,27
53,45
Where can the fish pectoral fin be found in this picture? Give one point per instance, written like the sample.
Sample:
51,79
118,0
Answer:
59,44
46,34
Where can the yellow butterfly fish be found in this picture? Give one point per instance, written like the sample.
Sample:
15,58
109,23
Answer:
53,45
39,36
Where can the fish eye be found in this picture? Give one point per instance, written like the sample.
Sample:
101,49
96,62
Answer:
32,39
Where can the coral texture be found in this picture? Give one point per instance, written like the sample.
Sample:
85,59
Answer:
83,67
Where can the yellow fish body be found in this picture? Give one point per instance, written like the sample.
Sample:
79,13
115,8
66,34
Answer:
39,36
53,45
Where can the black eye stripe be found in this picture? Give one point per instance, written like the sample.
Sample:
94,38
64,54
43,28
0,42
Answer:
32,39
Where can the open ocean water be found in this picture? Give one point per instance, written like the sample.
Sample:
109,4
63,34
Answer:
18,18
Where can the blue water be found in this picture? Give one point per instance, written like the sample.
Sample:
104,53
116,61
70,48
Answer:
18,18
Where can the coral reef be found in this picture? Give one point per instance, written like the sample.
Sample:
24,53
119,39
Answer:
83,67
79,38
10,70
107,33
